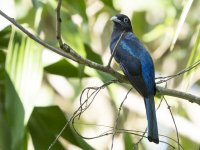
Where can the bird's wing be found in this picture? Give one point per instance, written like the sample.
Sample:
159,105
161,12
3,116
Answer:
133,74
135,49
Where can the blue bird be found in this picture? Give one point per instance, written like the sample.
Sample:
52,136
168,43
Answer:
137,65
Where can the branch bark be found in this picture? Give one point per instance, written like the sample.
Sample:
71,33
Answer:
69,53
183,95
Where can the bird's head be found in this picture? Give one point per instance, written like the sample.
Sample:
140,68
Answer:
122,22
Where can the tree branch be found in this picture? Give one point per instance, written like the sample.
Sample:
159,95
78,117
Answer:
191,98
33,37
69,53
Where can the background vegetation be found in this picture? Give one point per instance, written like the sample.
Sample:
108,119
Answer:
40,90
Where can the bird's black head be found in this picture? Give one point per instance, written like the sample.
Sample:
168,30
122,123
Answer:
122,22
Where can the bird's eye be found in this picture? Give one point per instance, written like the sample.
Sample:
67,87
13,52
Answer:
125,20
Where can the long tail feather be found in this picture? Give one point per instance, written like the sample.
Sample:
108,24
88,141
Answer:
152,121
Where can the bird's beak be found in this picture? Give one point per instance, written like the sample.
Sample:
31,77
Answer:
115,19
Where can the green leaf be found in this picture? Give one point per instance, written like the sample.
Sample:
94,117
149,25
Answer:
2,67
2,57
39,127
23,78
44,125
5,36
24,66
64,68
15,117
4,129
90,54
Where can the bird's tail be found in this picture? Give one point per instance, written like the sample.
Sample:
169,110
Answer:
151,118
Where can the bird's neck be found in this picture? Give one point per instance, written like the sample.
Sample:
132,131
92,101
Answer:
116,33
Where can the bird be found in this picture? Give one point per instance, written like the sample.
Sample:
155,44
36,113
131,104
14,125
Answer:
137,66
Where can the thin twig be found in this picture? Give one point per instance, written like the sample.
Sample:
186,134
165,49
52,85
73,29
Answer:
37,39
58,25
177,135
141,138
120,130
88,97
80,109
167,78
163,98
60,133
116,122
115,48
112,130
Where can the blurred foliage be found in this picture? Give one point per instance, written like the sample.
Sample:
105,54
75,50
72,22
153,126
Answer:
5,35
30,77
62,68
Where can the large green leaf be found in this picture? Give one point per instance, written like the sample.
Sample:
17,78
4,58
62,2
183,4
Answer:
15,118
24,66
39,125
64,68
4,130
5,137
2,65
23,77
44,125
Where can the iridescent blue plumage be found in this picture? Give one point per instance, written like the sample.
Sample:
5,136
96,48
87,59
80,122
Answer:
137,66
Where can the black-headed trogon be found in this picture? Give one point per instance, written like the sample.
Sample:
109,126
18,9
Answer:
137,65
